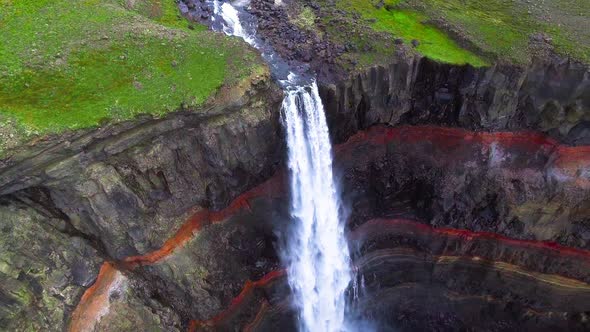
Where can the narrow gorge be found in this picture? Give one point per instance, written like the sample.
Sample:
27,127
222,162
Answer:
314,193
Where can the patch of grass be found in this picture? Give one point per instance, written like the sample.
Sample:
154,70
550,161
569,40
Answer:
504,27
494,29
410,25
74,64
164,12
306,19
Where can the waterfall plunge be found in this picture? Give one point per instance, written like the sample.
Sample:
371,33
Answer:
316,253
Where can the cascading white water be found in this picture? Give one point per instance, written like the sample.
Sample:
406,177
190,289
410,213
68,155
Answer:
232,26
316,253
318,258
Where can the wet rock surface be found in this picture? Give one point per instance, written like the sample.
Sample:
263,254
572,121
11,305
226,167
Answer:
516,184
292,29
126,194
293,32
417,277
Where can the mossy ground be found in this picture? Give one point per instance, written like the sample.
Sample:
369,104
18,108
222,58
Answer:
75,64
477,32
411,25
503,28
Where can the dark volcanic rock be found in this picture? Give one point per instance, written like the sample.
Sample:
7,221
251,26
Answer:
201,278
279,26
44,269
126,193
130,186
418,278
548,96
518,184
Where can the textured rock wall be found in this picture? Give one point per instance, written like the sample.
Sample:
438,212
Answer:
421,278
130,186
550,96
519,184
126,194
123,190
44,268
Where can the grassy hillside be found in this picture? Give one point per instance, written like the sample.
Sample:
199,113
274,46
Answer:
477,32
411,25
504,28
73,64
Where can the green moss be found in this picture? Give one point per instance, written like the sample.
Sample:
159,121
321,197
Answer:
73,64
23,294
306,19
410,25
495,29
503,27
161,11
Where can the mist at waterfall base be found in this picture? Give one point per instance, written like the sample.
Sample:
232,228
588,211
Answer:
314,249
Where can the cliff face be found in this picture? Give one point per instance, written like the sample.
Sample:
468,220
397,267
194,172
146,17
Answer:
130,186
123,190
548,96
451,204
521,185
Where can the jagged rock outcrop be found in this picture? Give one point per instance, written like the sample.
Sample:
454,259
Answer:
44,267
550,96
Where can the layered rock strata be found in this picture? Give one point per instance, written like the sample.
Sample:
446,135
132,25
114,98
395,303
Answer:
123,190
185,210
545,266
417,278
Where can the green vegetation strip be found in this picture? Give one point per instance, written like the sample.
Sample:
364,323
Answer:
505,27
411,25
74,64
501,29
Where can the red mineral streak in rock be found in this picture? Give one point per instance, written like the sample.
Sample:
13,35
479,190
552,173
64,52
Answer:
271,188
561,163
247,291
95,300
264,307
380,226
568,161
452,138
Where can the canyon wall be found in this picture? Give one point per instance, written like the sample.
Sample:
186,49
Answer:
551,96
123,190
468,195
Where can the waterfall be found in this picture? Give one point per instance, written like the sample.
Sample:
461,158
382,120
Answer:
317,255
316,252
232,25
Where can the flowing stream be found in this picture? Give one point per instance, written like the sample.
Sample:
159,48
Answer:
316,253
